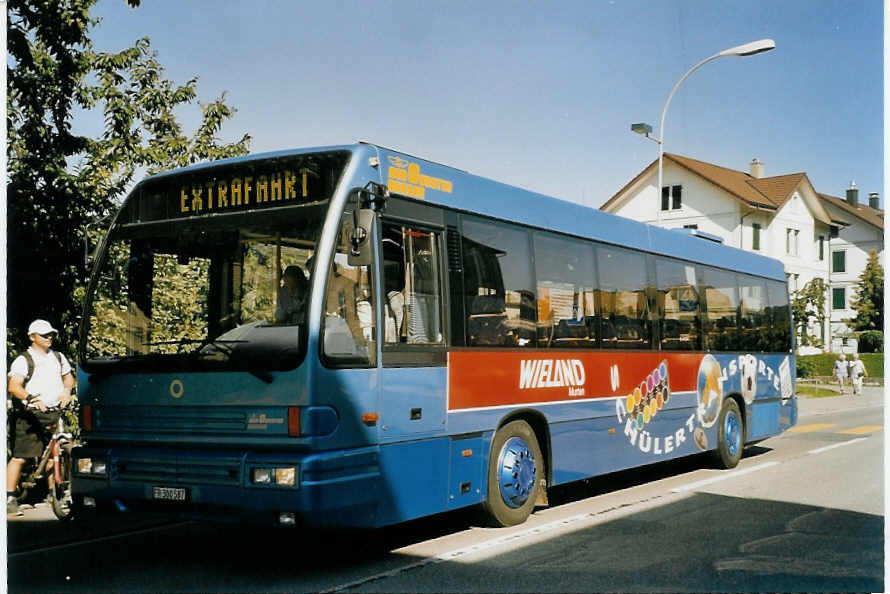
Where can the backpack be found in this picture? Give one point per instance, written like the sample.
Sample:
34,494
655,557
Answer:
30,361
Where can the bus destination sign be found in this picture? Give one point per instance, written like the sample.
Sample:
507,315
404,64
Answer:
253,185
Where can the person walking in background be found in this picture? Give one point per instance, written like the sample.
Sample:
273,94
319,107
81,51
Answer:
857,373
39,379
840,370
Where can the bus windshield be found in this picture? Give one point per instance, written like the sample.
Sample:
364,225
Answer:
230,291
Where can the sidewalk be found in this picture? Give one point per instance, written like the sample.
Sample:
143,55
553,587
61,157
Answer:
871,396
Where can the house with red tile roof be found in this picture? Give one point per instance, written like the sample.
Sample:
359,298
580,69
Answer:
782,216
850,249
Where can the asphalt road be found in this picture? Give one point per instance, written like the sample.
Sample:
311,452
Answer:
802,512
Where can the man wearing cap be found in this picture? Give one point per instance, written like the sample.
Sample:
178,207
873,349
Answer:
39,379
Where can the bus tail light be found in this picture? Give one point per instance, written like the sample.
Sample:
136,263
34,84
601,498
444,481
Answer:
87,413
293,421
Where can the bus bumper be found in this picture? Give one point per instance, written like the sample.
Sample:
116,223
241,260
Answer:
337,488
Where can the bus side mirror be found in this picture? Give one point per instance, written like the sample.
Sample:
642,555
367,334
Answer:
90,255
360,248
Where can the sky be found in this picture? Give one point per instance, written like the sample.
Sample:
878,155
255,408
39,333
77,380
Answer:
539,95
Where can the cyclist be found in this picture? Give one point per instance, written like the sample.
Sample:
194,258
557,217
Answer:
39,379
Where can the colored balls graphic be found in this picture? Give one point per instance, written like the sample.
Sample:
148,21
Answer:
640,420
649,384
660,399
656,376
629,404
646,414
666,394
637,396
663,370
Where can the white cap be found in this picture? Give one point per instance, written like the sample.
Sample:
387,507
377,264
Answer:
40,327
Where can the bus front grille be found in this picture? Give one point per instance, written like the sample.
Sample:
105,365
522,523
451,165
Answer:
169,420
172,469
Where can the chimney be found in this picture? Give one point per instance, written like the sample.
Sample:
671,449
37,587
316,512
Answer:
853,195
873,201
756,168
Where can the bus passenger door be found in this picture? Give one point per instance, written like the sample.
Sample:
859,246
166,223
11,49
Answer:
413,387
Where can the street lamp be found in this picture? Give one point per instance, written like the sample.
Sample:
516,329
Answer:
748,49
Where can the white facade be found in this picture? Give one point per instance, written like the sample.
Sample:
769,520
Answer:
854,242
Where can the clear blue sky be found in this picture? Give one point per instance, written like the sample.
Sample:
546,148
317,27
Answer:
538,95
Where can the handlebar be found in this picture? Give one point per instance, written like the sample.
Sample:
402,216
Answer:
73,405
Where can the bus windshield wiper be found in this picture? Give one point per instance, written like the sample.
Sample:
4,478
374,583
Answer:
201,342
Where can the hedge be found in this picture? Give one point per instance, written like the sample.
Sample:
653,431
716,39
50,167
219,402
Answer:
823,365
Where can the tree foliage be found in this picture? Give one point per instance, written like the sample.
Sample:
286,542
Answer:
808,305
869,300
60,183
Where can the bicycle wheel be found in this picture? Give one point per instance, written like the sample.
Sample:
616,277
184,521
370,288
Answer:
60,494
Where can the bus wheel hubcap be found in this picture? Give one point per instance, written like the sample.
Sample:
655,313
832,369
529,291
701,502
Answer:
516,473
733,432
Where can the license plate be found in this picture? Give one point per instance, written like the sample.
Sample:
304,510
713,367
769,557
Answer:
169,493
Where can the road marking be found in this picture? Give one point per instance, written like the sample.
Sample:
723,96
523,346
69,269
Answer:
836,445
811,427
865,429
723,476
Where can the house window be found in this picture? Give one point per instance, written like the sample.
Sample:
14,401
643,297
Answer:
671,197
839,261
791,236
835,231
821,248
755,228
839,298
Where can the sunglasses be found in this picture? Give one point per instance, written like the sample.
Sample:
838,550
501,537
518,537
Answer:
49,335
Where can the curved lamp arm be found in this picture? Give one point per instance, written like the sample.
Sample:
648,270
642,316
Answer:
747,49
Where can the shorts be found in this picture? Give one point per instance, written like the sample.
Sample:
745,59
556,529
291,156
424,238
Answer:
29,428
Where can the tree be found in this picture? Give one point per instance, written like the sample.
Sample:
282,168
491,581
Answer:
59,182
869,300
806,304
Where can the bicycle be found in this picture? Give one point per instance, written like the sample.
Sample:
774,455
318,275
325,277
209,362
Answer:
54,464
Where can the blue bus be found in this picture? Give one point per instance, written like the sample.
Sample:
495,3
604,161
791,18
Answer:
354,336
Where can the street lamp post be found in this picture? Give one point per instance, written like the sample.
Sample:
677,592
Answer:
748,49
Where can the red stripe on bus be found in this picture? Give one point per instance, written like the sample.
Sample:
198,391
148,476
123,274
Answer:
491,378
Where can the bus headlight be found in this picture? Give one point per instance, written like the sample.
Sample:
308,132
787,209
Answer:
262,476
286,477
92,466
282,477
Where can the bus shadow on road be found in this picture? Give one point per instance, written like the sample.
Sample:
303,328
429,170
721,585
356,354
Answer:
702,542
699,542
633,477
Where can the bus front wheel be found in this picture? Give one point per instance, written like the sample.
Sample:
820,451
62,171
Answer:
730,438
514,469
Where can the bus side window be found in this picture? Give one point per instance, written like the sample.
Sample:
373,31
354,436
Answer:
720,296
623,299
498,288
565,276
349,328
754,315
678,303
412,286
780,317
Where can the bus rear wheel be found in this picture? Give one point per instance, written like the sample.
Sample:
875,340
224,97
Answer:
514,469
730,438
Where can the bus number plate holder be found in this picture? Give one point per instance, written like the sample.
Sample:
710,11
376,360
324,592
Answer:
169,493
